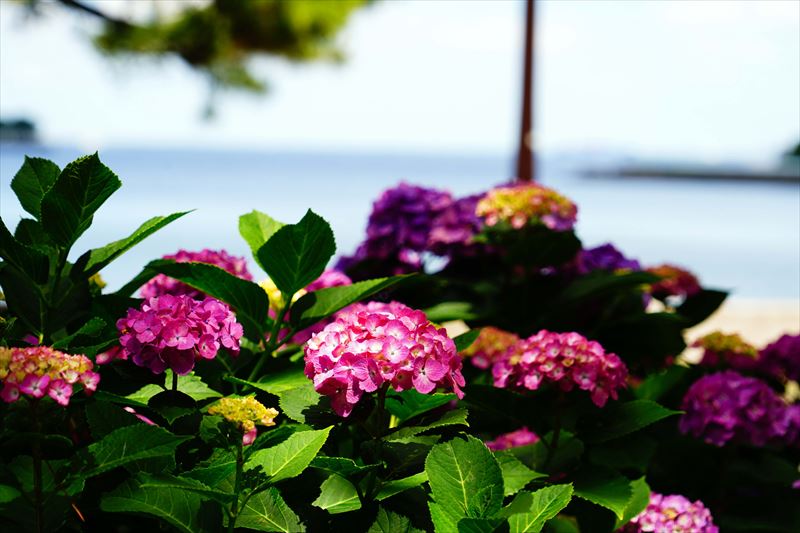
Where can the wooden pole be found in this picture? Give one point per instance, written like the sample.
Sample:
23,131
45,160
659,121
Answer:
525,156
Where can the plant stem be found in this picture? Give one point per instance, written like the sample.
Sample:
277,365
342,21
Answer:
37,467
174,381
273,340
237,486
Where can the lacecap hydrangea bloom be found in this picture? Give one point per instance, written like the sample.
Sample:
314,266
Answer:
522,204
672,514
380,344
729,407
676,282
565,360
40,371
174,331
521,437
781,358
492,344
162,284
246,413
606,258
728,348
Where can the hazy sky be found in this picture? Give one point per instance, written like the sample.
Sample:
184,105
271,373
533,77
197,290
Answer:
712,80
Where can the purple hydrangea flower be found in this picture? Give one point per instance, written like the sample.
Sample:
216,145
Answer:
162,284
453,230
781,358
728,407
521,437
604,257
672,514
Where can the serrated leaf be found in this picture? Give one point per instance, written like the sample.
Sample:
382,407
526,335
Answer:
320,304
99,258
256,228
220,467
638,502
515,474
658,384
166,481
446,311
191,385
410,403
29,261
343,466
465,479
294,402
180,508
389,522
604,487
289,458
337,495
92,328
132,443
69,205
455,417
619,419
396,486
277,382
248,299
266,511
545,504
32,181
31,233
479,525
466,339
297,254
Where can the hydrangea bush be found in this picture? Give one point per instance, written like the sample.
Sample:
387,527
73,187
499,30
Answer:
472,367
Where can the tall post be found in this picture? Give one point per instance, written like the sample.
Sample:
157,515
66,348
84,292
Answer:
525,157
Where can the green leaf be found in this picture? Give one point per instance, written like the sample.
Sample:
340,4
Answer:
297,254
656,385
545,504
92,328
410,403
132,443
256,228
220,467
396,486
81,188
32,181
466,339
166,481
638,502
29,261
31,233
568,452
700,306
337,495
278,382
604,487
179,508
450,311
266,511
343,466
625,453
456,417
289,458
295,402
190,384
465,479
515,474
318,305
601,283
442,521
8,494
619,419
479,525
99,258
389,522
247,298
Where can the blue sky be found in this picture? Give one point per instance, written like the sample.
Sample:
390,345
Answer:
709,80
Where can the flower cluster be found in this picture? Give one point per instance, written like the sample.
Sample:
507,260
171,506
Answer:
672,514
453,230
39,370
527,203
564,359
521,437
728,407
605,257
245,413
781,359
676,282
492,344
376,344
162,284
172,331
727,348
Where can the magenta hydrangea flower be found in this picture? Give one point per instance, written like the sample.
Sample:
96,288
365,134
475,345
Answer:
454,229
726,349
605,257
524,204
781,358
174,331
677,282
521,437
566,360
672,514
728,407
378,345
41,371
162,284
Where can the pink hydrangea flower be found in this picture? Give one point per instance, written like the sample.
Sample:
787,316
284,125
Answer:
374,345
672,514
522,204
175,331
162,284
40,371
566,360
677,282
521,437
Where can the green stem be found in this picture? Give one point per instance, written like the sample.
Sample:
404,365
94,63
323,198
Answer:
273,340
237,486
37,467
174,381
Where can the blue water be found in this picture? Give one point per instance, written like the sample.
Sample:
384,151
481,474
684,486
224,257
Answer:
744,237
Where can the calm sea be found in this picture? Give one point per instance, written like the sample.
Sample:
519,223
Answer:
744,237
